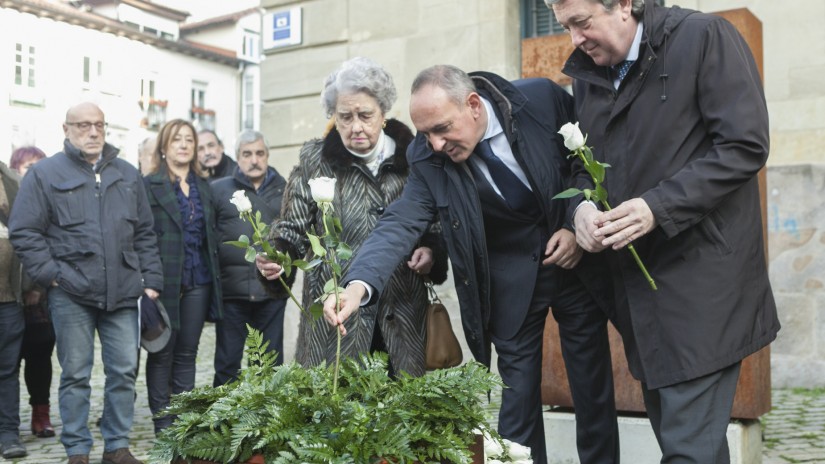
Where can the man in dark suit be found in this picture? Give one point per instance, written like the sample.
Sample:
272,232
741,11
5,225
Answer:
487,161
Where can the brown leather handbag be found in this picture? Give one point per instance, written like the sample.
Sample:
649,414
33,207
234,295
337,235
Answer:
441,347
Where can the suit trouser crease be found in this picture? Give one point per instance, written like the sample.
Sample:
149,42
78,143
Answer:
690,419
583,334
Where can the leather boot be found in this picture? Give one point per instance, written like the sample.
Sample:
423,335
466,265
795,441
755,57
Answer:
41,424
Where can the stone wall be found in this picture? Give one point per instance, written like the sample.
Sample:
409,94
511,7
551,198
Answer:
796,238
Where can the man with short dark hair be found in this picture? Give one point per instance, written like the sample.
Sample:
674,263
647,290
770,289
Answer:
245,300
214,162
82,227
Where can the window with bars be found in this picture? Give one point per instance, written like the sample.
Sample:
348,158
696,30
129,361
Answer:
24,65
201,117
92,71
538,20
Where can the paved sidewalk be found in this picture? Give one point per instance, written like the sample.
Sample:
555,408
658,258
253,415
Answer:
794,432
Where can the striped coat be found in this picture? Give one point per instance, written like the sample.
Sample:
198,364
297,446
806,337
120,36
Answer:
360,199
169,230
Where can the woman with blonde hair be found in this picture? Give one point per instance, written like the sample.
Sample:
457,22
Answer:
182,206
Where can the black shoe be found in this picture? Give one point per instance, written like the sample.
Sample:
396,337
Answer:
12,449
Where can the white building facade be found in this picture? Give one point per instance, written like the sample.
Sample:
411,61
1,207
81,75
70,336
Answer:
130,57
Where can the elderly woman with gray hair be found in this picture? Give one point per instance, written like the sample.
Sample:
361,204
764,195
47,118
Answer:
366,153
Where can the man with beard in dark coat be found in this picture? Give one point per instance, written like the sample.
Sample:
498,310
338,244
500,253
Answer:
244,299
487,161
672,100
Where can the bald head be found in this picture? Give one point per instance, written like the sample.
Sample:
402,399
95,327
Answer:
85,128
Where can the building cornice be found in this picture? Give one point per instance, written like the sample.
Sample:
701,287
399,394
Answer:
217,21
62,12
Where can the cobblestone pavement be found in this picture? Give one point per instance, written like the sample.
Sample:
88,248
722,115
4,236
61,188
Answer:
794,432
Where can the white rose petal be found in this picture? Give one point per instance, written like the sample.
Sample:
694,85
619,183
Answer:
493,461
240,200
323,189
518,452
522,461
492,448
573,138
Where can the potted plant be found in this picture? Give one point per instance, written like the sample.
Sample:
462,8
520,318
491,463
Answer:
289,414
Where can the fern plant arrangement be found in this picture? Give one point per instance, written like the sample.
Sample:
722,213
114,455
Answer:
289,414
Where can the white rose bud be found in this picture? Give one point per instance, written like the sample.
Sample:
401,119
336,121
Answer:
519,452
323,189
492,448
240,200
573,138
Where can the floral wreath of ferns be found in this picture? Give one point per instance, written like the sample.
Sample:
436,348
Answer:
291,415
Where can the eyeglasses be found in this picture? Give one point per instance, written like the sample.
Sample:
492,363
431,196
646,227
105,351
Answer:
86,125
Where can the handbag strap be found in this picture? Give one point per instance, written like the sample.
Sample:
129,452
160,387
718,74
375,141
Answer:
431,291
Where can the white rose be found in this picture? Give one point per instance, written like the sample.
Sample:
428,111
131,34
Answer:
573,138
492,448
519,453
323,189
241,202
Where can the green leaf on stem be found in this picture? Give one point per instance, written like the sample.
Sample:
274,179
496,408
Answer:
317,248
344,251
306,266
588,194
316,310
586,154
569,193
268,248
601,193
336,268
250,254
597,171
329,286
329,226
238,243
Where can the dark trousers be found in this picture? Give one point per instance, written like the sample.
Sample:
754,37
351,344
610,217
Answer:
172,369
266,317
585,348
690,419
12,324
38,345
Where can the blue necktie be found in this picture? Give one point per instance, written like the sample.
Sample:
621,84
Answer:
622,68
515,193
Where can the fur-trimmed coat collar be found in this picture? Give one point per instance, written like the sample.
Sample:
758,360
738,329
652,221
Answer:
337,155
